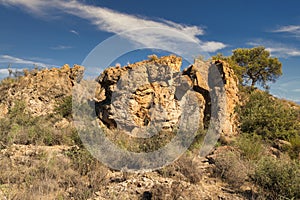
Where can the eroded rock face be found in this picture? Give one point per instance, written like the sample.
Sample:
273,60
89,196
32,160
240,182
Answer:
40,90
150,92
218,84
135,96
232,98
143,94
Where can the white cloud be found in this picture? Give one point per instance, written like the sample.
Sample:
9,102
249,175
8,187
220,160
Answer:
61,47
3,72
74,32
115,22
257,43
284,51
277,49
7,59
293,29
32,5
213,46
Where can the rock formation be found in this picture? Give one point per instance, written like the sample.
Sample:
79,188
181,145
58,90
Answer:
128,97
232,98
135,96
131,98
206,79
144,94
40,90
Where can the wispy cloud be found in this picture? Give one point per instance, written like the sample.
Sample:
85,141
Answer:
277,49
288,88
284,51
3,72
7,59
296,90
292,29
61,47
74,32
115,22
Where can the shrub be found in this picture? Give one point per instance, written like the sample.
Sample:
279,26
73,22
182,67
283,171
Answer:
250,146
189,169
280,179
231,168
294,151
176,190
268,117
7,82
64,107
152,57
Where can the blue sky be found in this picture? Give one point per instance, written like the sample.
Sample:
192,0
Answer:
52,33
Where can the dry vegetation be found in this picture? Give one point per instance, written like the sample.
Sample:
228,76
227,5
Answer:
266,153
43,158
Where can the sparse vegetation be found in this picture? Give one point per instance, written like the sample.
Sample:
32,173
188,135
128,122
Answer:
264,155
280,178
20,127
294,150
47,174
231,168
250,146
64,107
265,122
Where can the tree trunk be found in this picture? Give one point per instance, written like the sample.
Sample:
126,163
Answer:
253,83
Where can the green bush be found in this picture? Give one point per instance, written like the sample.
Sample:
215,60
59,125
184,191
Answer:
268,117
250,146
280,179
64,107
294,151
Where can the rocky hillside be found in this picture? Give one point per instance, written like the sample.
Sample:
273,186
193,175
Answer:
40,90
42,156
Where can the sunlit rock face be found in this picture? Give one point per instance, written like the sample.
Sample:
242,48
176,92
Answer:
144,95
40,90
150,93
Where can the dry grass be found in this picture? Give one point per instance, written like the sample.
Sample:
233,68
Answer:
20,127
185,168
231,168
48,174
